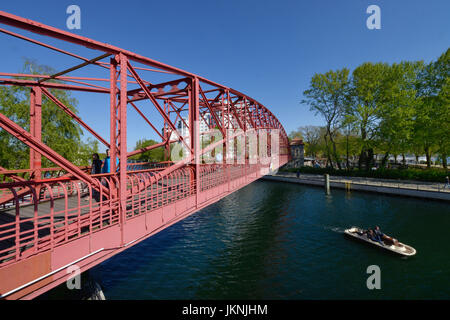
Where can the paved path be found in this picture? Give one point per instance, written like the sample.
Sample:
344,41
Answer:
418,189
402,184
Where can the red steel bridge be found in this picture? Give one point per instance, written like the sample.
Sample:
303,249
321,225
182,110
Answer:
49,219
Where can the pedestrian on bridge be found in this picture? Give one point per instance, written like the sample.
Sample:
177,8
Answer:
96,164
96,169
105,167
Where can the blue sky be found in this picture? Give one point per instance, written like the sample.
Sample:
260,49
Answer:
266,49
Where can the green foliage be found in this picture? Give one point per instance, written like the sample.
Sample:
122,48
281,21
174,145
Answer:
85,152
153,155
328,95
59,131
431,175
432,126
295,134
395,109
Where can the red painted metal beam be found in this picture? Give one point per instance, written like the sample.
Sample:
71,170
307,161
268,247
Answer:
74,116
24,136
212,112
33,26
145,118
138,151
155,103
44,45
122,139
50,85
36,128
53,76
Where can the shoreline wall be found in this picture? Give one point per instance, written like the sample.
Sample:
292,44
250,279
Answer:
434,195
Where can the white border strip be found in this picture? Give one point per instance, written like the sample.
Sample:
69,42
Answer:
49,274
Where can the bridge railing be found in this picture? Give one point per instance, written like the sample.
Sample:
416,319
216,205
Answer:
67,211
149,191
56,211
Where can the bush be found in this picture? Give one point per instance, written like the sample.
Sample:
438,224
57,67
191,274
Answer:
431,174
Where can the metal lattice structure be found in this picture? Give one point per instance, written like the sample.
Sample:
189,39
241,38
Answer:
46,225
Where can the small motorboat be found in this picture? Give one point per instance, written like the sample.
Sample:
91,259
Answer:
389,243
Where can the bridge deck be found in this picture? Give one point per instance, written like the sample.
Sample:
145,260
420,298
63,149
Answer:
71,210
62,231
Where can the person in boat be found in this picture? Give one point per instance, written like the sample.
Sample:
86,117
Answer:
369,233
372,235
378,235
384,239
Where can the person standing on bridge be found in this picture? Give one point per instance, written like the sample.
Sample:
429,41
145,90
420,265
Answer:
447,182
96,164
106,167
96,169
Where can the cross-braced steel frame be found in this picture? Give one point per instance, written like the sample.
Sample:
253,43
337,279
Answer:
136,200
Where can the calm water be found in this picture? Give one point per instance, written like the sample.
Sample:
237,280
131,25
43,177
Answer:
272,240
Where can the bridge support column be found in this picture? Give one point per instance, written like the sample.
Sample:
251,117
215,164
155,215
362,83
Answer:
166,134
36,129
122,140
113,113
225,144
194,115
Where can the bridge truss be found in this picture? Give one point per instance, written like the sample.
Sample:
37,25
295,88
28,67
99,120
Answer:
49,219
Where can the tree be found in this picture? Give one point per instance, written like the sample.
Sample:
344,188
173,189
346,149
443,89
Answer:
85,152
295,134
312,137
153,155
59,132
397,110
328,96
432,127
369,83
440,94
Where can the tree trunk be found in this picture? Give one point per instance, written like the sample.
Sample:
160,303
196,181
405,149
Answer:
363,154
348,163
403,159
427,153
328,151
369,159
361,159
444,161
385,159
336,158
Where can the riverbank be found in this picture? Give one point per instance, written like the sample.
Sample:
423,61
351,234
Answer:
416,189
437,175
